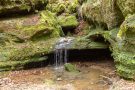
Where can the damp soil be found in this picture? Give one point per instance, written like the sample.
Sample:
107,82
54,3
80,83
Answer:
93,75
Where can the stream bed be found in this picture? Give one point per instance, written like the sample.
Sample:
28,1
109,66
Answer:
93,75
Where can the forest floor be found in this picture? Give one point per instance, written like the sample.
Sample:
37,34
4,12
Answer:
93,75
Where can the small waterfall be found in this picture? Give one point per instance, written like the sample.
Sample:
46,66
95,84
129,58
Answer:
61,53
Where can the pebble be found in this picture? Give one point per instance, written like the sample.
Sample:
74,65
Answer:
59,79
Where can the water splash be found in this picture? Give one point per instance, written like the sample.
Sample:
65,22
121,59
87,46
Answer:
61,53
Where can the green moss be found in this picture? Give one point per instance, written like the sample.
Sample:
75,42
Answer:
17,65
56,8
13,6
70,68
123,71
103,13
127,28
43,25
26,50
30,32
52,21
17,56
27,39
6,39
126,59
124,49
69,21
85,43
72,8
126,6
62,6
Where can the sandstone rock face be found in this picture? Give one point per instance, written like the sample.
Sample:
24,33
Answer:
8,7
68,21
62,6
102,13
32,26
126,6
17,56
27,39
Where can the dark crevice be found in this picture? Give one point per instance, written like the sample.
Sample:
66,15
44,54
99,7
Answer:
36,64
21,13
84,55
67,30
75,55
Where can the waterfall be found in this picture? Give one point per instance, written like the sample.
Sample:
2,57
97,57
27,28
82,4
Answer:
61,52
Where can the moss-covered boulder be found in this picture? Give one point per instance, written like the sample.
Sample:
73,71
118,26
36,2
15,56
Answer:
71,68
104,13
68,21
126,6
62,6
16,56
43,25
15,6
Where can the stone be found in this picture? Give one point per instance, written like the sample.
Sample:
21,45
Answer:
103,13
68,21
125,52
43,25
8,7
126,6
70,67
6,39
17,56
62,6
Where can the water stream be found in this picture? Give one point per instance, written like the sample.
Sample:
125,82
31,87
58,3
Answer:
61,52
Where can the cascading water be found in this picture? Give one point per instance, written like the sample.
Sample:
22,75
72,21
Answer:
61,53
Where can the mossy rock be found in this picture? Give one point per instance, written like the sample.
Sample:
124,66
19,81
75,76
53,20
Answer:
68,21
22,51
25,64
81,43
124,49
92,40
43,25
6,39
16,56
8,7
125,72
70,67
126,6
103,13
62,6
56,8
